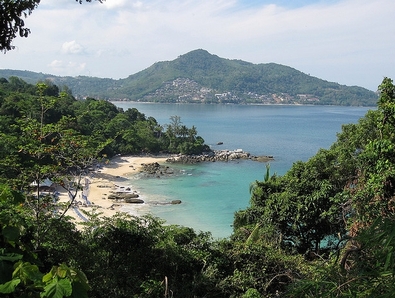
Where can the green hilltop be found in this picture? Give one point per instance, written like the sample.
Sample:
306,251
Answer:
201,77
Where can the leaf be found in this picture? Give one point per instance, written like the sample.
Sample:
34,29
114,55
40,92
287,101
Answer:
254,236
9,286
11,196
79,290
47,277
80,278
11,233
27,272
57,288
11,257
62,271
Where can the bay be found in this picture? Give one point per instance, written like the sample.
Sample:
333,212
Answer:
212,192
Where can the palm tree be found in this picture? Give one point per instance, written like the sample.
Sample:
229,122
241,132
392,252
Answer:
254,185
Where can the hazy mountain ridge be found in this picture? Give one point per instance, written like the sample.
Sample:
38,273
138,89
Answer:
199,76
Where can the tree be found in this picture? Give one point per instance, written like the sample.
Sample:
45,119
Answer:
364,264
12,23
372,192
297,206
12,14
182,139
20,274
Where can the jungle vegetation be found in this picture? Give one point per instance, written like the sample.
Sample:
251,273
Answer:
325,228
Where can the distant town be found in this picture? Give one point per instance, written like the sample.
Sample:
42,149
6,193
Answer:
185,90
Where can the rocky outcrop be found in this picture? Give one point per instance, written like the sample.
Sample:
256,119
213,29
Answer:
217,155
127,197
174,202
133,201
263,158
156,170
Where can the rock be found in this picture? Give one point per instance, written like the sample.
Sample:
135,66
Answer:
264,158
174,202
113,197
133,201
122,196
217,155
156,170
130,196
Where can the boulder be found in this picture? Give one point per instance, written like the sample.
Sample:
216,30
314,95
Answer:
156,170
129,195
122,196
133,201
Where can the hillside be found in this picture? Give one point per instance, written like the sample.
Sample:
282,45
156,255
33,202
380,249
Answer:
199,76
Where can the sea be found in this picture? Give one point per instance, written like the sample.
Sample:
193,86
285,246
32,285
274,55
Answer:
212,192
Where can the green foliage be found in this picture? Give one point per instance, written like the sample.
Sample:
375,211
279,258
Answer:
263,267
365,267
295,205
63,281
20,273
325,228
182,139
139,257
341,200
372,190
60,133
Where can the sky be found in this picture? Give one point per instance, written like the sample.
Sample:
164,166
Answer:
351,42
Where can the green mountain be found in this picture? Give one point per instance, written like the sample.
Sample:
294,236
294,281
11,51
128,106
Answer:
199,76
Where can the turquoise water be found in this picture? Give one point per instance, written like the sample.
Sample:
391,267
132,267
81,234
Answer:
212,192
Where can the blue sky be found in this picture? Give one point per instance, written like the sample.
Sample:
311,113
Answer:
346,41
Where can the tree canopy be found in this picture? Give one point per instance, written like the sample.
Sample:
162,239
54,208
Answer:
325,228
59,130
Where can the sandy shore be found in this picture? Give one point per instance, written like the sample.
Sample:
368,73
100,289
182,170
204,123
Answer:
111,177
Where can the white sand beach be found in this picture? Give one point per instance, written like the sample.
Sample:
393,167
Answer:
113,176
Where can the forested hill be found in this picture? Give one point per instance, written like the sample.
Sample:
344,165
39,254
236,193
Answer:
199,76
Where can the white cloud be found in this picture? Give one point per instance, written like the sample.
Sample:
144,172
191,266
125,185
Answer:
111,4
137,4
72,47
56,64
67,68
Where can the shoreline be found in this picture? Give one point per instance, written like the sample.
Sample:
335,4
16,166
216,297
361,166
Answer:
113,176
241,104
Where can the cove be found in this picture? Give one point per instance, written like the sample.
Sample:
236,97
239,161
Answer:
212,192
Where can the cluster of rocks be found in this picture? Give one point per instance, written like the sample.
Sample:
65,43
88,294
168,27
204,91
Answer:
217,155
133,198
156,170
127,197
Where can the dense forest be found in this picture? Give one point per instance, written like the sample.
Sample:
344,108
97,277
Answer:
324,229
201,77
